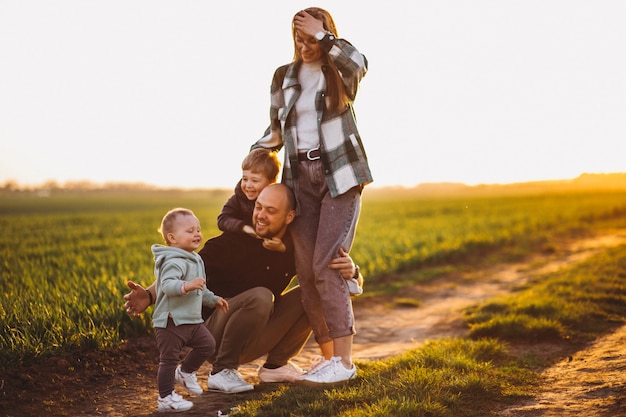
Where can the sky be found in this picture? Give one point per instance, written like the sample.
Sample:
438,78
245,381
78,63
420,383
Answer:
174,93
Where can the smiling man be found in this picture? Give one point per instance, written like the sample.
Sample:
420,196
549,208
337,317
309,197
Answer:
263,318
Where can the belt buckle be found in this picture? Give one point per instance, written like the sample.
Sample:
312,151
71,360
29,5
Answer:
311,158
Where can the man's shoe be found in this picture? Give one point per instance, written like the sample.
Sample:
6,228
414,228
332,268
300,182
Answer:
286,373
188,381
329,372
228,381
173,402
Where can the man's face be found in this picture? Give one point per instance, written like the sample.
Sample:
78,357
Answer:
271,213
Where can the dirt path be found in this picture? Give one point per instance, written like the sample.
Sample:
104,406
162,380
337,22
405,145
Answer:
581,386
590,383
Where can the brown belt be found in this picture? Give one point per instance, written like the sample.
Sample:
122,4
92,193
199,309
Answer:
310,155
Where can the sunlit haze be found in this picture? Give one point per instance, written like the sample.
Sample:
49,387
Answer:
174,93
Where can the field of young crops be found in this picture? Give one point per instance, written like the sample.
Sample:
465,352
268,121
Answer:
65,258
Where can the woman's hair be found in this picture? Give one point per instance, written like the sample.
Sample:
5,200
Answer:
167,224
335,91
262,161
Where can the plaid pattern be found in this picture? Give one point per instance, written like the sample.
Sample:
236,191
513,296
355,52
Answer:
342,152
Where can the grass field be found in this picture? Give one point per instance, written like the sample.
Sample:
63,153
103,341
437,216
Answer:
66,257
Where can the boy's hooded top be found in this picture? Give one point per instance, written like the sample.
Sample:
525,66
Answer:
172,267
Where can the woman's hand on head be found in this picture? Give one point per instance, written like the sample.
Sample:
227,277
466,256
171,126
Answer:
307,24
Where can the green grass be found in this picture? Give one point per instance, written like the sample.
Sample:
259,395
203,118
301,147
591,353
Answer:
432,381
402,233
66,257
573,303
65,260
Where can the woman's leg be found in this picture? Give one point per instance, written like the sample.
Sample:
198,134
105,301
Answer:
323,226
311,188
338,222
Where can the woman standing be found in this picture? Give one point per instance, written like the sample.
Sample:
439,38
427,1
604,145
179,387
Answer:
326,166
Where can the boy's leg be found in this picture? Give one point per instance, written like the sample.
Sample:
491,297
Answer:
202,343
170,343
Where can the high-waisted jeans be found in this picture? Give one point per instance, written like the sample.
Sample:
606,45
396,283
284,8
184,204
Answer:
323,225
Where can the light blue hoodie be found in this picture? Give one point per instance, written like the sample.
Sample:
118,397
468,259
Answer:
172,267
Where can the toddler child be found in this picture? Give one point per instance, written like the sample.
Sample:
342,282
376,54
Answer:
180,293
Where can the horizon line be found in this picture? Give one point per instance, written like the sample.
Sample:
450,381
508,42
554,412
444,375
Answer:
14,185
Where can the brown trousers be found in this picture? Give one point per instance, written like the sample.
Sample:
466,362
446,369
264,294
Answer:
255,325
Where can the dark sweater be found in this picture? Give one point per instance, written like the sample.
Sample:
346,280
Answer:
236,262
236,213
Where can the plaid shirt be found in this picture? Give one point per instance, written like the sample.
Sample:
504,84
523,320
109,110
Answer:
342,153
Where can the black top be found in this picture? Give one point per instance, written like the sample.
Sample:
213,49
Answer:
236,213
236,262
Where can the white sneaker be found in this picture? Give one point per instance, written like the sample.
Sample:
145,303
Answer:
188,381
228,381
317,363
286,373
173,402
354,287
329,372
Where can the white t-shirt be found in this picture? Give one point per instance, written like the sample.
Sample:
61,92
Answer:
310,76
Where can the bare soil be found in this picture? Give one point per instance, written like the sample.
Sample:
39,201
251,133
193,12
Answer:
588,383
